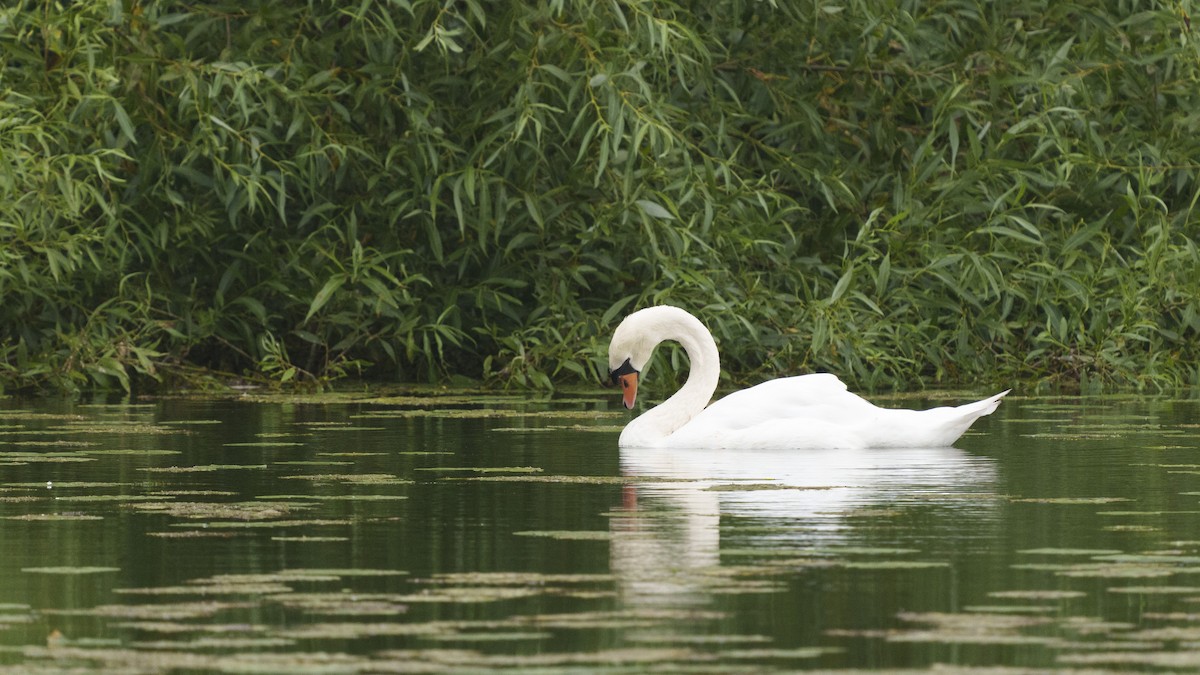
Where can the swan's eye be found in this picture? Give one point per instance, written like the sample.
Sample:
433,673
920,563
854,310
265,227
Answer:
619,375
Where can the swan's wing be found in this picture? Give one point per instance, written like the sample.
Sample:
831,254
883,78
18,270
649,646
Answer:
819,411
820,397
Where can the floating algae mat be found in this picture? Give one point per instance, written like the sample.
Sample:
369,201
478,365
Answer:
465,532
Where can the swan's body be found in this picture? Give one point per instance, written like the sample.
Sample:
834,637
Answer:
806,411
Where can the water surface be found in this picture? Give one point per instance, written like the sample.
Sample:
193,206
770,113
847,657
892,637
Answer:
466,535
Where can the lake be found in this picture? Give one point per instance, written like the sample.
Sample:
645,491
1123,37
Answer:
459,533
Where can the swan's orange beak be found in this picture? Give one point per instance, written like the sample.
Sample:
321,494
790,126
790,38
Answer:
627,377
628,388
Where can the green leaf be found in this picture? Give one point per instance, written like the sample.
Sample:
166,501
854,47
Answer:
123,121
331,286
843,283
654,210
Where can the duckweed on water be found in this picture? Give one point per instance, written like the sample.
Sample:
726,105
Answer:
51,517
352,478
257,510
210,589
1070,500
891,564
481,469
107,498
266,524
1157,590
515,579
117,427
584,428
55,444
194,534
313,462
1152,659
1010,609
576,480
337,498
1069,551
585,535
68,570
193,493
264,444
132,452
1123,571
861,550
206,468
342,573
44,457
223,644
1038,595
504,636
67,484
342,604
700,640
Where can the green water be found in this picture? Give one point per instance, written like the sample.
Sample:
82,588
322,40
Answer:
228,536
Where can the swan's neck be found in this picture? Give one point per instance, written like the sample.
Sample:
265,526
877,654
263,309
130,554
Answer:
663,420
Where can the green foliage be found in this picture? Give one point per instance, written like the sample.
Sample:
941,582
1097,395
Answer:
898,192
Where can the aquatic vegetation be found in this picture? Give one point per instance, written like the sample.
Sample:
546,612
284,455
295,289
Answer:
194,534
313,462
580,535
205,468
481,469
256,510
108,498
515,579
266,524
265,444
134,452
239,588
1071,500
1069,551
1157,590
498,636
336,498
972,628
68,570
14,458
891,564
53,517
1034,594
352,478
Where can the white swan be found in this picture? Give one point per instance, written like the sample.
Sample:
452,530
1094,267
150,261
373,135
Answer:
806,411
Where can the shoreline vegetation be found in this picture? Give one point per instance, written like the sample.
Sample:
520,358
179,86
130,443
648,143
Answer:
904,194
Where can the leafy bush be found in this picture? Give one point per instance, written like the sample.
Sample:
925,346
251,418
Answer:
899,192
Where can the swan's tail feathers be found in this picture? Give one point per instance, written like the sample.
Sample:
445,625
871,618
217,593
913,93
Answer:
985,407
960,418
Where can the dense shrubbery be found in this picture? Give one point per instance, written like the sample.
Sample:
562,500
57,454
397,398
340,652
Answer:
899,192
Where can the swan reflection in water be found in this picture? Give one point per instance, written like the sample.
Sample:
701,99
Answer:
666,539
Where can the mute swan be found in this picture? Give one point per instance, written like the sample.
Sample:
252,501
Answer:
806,411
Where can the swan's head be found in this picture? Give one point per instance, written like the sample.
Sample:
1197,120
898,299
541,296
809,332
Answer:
634,342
